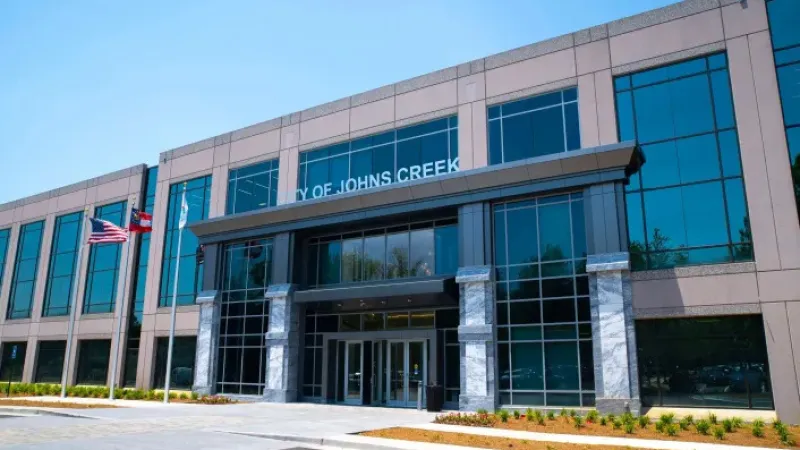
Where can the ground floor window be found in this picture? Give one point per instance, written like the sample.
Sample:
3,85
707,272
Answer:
183,353
50,361
93,361
13,360
710,362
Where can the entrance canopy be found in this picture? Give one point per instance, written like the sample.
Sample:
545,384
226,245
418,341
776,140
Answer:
393,294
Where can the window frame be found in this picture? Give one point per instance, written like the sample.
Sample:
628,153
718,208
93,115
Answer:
24,231
102,212
233,183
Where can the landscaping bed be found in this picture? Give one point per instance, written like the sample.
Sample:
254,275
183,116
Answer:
706,429
45,389
471,440
43,404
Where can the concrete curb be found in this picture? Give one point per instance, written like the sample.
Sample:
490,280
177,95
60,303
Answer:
354,442
32,411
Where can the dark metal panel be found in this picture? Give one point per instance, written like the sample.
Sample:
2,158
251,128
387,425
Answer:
212,265
282,254
404,288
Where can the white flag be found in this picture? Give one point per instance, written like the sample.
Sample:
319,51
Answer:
184,211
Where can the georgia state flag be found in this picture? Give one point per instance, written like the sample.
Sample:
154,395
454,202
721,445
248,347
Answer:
140,222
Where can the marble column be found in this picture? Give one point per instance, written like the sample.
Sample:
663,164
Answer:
613,333
283,343
207,343
476,336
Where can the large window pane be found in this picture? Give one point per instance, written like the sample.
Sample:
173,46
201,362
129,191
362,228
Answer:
183,353
93,362
11,369
23,281
50,361
252,187
104,261
422,253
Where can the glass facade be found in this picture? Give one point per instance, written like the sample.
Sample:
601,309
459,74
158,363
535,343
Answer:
50,361
198,196
4,237
687,204
783,15
139,283
11,369
406,251
102,273
534,126
709,362
244,317
544,332
252,187
183,352
410,153
63,264
444,320
93,362
26,265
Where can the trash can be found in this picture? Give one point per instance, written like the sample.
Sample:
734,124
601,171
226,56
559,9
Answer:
435,397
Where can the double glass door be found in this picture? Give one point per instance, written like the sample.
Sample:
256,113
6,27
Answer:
392,373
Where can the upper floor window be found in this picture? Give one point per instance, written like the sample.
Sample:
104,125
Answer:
687,204
63,262
4,237
198,197
252,187
411,153
534,126
26,266
783,16
406,251
144,247
103,271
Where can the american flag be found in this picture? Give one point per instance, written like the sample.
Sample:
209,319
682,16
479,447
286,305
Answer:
104,231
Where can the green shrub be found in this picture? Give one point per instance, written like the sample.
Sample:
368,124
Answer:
689,418
551,415
617,424
603,421
758,431
563,413
702,426
503,415
737,422
712,418
644,421
660,426
727,425
627,417
591,416
516,414
151,395
185,396
785,436
667,418
671,429
611,417
719,433
777,424
684,424
529,415
573,413
173,395
578,420
629,428
758,423
482,411
195,396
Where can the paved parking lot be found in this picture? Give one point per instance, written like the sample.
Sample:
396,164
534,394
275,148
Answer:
197,427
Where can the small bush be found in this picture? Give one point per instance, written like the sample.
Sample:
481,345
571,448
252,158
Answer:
629,428
482,411
689,418
667,418
727,425
758,423
644,421
503,415
578,420
591,416
195,396
516,414
173,395
712,418
617,424
563,413
785,436
671,429
551,415
185,396
611,417
777,424
627,417
660,426
684,424
758,431
719,433
702,426
603,421
573,413
737,422
538,417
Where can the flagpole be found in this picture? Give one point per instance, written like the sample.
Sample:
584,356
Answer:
181,224
73,307
121,302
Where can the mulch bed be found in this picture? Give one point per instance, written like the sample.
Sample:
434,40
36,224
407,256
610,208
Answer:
37,404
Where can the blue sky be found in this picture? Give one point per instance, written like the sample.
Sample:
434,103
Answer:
89,87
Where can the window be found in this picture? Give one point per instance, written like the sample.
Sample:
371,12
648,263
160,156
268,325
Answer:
50,361
709,362
183,352
4,237
253,187
93,362
198,197
534,126
411,153
544,331
406,251
687,204
63,262
11,369
102,273
26,266
140,280
244,317
786,43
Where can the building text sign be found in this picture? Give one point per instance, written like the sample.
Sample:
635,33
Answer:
427,170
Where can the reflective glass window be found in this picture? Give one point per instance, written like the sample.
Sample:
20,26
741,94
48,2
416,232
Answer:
63,264
11,369
102,274
50,361
4,237
252,187
411,153
679,210
23,282
541,290
709,362
93,356
183,353
198,197
534,126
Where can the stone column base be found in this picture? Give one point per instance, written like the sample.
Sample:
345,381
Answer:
618,406
476,402
279,396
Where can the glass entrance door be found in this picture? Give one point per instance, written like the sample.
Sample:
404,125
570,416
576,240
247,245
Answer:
354,371
406,372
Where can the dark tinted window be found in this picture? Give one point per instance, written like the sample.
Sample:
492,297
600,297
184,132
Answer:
534,126
687,203
26,264
93,362
252,187
63,262
102,273
4,237
11,369
50,361
183,353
